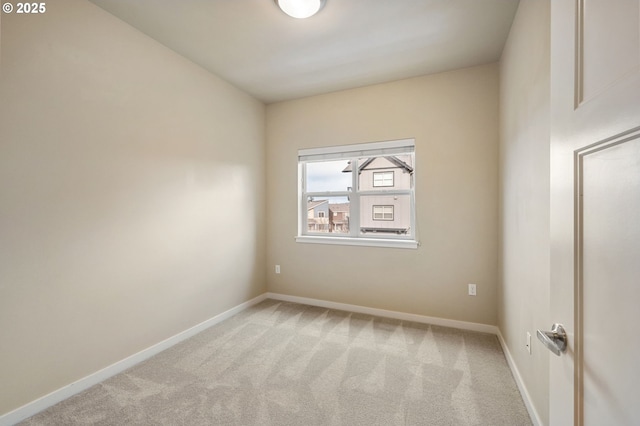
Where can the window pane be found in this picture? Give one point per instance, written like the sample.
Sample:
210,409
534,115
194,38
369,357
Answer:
386,172
387,214
328,176
374,180
328,215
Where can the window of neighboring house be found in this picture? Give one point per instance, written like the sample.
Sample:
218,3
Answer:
382,212
354,181
383,178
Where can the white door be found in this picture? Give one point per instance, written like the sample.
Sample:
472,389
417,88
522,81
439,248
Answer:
595,211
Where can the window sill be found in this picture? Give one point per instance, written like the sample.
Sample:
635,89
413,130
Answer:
350,241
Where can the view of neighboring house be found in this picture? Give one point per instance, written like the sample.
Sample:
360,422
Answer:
379,212
339,217
325,217
318,216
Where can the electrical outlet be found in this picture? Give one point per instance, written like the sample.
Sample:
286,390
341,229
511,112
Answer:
529,342
472,289
277,269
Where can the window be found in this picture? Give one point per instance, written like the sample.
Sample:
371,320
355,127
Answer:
359,194
383,178
382,212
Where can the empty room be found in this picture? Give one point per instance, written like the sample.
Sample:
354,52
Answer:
290,212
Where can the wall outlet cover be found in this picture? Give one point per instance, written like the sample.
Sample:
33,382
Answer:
472,290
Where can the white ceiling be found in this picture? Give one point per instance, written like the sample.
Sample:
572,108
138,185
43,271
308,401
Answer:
350,43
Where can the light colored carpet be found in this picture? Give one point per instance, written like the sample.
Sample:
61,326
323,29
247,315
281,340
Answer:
280,363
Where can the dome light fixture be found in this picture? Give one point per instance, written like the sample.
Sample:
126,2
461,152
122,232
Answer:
300,8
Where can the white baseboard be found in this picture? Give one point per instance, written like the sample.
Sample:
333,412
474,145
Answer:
483,328
34,407
533,413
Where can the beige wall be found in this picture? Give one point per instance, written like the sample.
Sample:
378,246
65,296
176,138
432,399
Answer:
524,167
454,119
131,196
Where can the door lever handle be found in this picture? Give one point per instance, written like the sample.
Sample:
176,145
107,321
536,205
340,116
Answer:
555,340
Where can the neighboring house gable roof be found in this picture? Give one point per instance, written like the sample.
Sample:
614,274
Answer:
339,207
314,204
395,161
398,162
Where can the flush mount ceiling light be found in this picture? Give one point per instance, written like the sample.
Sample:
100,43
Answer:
300,8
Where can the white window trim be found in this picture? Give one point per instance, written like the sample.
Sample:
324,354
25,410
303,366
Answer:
356,150
353,151
354,241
